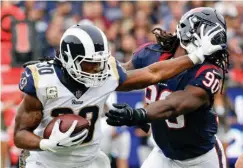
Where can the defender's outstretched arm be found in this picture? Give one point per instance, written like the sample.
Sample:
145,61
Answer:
154,73
164,70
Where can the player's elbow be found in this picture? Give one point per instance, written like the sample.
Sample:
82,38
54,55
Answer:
16,139
17,135
19,138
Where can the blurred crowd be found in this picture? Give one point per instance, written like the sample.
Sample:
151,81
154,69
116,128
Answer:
33,29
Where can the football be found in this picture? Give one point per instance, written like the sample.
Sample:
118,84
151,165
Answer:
66,122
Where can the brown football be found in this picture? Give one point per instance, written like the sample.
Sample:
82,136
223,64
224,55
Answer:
66,122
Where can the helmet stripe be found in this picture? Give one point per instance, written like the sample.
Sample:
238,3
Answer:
95,35
83,37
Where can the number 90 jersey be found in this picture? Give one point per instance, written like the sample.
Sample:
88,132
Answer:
190,135
44,81
193,134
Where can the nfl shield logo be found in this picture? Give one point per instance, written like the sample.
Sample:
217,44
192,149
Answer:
78,94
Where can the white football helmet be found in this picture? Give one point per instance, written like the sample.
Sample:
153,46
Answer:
85,43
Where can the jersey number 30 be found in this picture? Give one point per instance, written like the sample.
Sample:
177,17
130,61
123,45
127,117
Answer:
91,113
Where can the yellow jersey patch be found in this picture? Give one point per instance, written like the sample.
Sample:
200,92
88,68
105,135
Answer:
35,75
112,63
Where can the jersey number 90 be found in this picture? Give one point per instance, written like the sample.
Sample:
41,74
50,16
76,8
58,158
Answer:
176,123
211,82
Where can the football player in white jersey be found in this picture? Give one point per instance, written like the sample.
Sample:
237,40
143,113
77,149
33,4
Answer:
78,81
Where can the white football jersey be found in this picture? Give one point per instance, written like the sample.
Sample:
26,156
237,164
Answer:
56,99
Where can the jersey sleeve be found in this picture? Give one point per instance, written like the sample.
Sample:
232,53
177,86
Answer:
207,77
118,70
139,57
26,83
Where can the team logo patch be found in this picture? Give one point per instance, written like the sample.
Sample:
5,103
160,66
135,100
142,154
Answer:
76,102
23,83
51,92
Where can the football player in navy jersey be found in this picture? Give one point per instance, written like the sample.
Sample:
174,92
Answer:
180,109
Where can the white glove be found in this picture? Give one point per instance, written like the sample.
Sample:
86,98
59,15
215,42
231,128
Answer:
59,140
204,46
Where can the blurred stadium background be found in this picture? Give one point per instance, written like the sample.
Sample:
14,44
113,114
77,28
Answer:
32,29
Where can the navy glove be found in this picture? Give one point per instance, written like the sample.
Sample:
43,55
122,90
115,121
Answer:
126,115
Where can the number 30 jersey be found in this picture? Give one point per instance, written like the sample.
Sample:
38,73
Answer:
45,82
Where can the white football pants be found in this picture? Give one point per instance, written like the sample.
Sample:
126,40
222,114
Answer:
100,161
215,158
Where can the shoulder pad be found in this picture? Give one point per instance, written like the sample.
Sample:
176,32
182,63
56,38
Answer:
30,63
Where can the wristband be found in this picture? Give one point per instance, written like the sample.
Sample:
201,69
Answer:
196,57
44,145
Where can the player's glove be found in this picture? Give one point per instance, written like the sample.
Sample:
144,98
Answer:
125,115
59,140
204,47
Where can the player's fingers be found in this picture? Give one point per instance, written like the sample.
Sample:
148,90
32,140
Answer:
82,135
56,126
120,106
212,29
112,116
216,48
116,112
81,139
77,138
202,30
198,40
71,129
76,142
113,122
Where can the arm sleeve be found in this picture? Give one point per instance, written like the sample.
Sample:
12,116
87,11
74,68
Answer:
26,83
208,78
121,72
136,60
117,70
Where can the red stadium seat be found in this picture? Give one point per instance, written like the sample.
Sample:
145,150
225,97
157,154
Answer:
11,76
5,53
9,87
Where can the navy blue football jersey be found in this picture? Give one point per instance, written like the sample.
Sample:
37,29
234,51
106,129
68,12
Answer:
147,54
191,135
